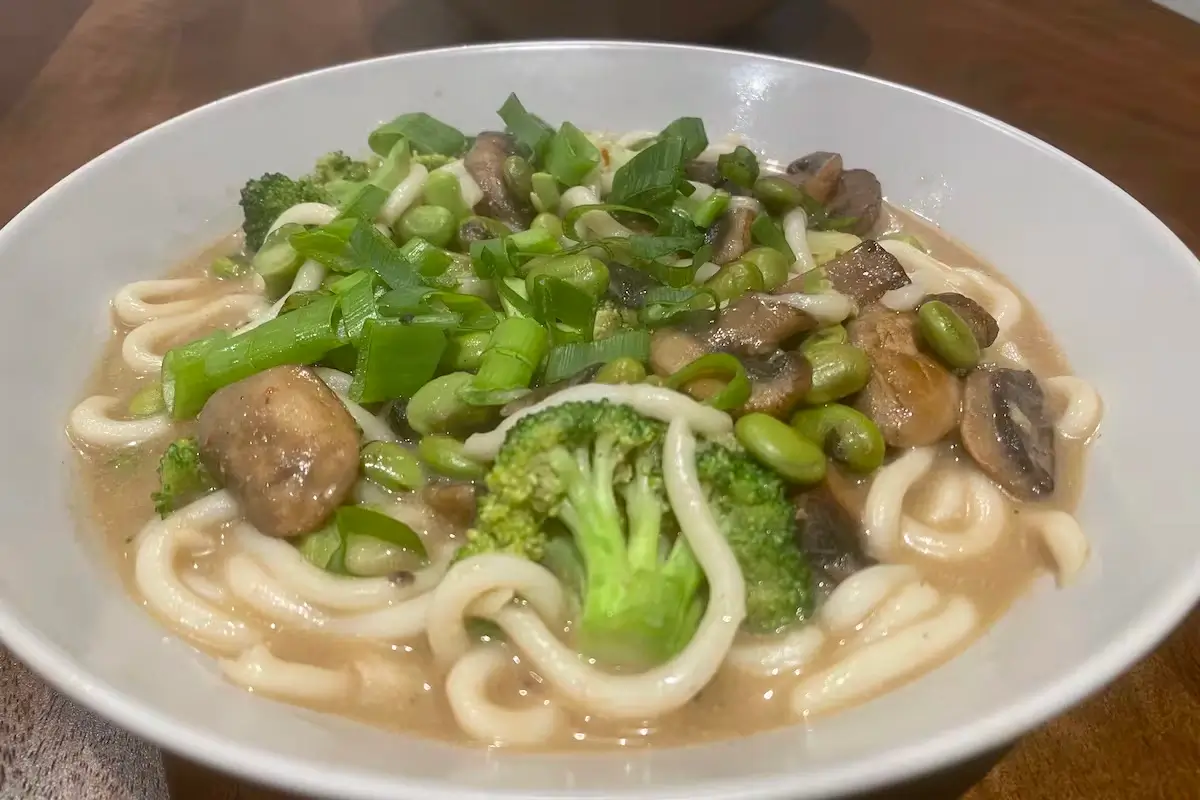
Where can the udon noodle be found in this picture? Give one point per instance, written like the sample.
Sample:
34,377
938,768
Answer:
490,645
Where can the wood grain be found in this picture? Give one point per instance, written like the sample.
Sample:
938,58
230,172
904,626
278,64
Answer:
1115,83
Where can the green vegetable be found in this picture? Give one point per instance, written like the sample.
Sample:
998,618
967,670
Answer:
432,161
707,212
530,130
518,177
147,401
464,352
192,372
570,359
622,370
716,365
423,132
781,448
323,548
445,455
368,557
778,194
771,264
585,273
364,521
366,201
336,168
182,477
434,224
691,134
547,222
652,178
948,335
828,245
545,195
392,466
514,353
395,360
570,156
838,370
277,261
613,318
844,434
907,238
767,232
442,188
663,304
739,167
228,268
264,199
830,334
436,407
297,300
734,280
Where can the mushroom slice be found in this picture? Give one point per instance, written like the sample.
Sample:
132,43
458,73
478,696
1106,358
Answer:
1006,430
818,174
864,273
913,399
828,534
859,196
485,162
455,502
730,235
777,383
981,323
752,326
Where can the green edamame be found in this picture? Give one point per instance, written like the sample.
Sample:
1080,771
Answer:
148,401
518,176
778,194
771,263
442,188
479,229
735,279
464,352
545,194
948,335
445,455
621,370
655,380
830,334
228,268
837,370
550,223
392,466
578,269
816,281
436,407
780,447
845,434
434,224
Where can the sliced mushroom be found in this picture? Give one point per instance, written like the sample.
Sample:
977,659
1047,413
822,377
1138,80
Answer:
828,534
1006,430
752,325
860,196
981,323
777,383
628,285
818,174
864,273
485,162
730,235
284,445
913,399
455,502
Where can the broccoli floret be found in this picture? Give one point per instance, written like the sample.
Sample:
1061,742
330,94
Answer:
182,477
265,198
596,470
612,318
337,166
752,508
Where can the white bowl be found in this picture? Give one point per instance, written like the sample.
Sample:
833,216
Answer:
1107,276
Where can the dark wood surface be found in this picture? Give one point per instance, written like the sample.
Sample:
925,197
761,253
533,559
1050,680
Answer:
1115,83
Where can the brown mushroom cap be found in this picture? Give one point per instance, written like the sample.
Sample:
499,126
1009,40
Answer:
1006,430
485,162
757,326
282,442
863,273
860,196
911,397
981,323
829,535
818,174
455,502
730,235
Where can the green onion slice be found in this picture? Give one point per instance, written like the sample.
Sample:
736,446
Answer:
569,359
716,365
367,521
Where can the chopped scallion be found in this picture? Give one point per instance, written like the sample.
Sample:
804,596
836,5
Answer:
716,365
690,131
739,167
569,359
394,360
570,156
425,133
530,130
766,232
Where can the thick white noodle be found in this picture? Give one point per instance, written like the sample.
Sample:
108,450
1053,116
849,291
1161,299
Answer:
925,270
906,606
391,682
905,298
653,401
308,279
885,500
630,138
134,303
373,428
719,148
593,224
406,193
1082,408
397,622
987,516
204,587
742,203
335,379
91,424
481,718
259,670
704,271
859,595
158,547
669,686
143,347
869,668
1064,540
768,657
305,214
471,191
252,585
795,231
948,498
827,307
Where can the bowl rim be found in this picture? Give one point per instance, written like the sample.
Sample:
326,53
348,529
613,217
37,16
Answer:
901,763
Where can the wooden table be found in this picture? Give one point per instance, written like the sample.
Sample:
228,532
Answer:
1114,82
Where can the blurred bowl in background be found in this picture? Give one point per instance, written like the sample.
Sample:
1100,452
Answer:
670,20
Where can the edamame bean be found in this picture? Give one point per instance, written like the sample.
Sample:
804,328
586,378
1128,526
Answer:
464,352
816,281
578,269
621,370
518,177
545,191
480,229
148,401
948,335
778,194
434,224
780,447
837,370
436,408
228,268
547,222
845,434
655,380
392,466
443,189
830,334
444,455
771,263
735,279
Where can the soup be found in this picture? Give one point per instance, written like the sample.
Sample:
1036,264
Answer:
560,440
